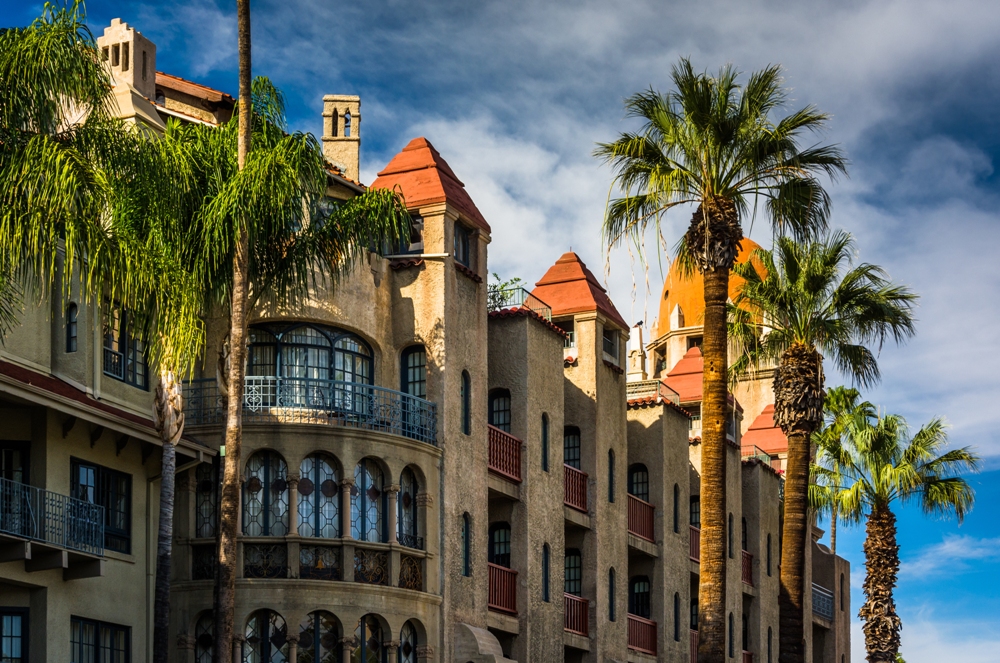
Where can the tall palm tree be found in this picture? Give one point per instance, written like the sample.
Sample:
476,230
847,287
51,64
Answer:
809,302
885,465
714,143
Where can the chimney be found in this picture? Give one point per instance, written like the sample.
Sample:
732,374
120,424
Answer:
637,360
130,56
341,133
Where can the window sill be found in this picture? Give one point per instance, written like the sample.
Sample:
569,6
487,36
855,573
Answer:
121,557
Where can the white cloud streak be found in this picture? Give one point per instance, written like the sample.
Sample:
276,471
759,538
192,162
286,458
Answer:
956,554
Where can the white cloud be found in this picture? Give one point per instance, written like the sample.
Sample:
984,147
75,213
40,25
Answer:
927,637
955,554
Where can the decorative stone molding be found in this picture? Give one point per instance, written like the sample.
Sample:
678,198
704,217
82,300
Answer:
391,645
392,488
425,499
292,639
347,482
425,651
185,641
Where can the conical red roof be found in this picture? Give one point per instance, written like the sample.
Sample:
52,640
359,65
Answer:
686,376
764,435
425,178
569,287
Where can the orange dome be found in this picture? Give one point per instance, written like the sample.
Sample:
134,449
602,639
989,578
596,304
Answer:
688,292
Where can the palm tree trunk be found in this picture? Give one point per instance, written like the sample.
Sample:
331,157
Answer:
881,623
712,579
239,315
168,412
834,515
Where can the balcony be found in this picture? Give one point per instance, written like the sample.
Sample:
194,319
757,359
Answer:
747,567
651,389
642,635
504,454
747,657
52,520
310,401
694,646
576,615
822,602
575,488
640,518
503,589
500,299
694,544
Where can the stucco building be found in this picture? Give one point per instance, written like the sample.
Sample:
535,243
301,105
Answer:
434,470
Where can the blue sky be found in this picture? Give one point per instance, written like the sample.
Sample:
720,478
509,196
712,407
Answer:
515,94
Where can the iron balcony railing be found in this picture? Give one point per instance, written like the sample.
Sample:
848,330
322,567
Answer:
640,518
694,646
498,299
576,614
694,544
751,451
40,515
312,401
575,488
822,602
747,567
642,635
504,454
651,389
410,540
114,364
502,589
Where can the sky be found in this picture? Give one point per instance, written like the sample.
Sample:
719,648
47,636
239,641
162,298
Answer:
516,94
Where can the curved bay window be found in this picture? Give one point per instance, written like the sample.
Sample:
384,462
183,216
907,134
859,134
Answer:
573,578
408,642
638,481
267,638
368,502
206,499
638,597
500,409
369,638
406,511
319,638
319,497
500,544
265,495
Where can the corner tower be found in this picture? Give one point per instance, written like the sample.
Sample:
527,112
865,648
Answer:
342,132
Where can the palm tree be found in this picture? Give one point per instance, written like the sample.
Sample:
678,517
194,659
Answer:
713,143
809,302
885,465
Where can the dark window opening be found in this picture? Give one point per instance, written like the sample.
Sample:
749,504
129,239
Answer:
124,352
573,572
144,65
71,327
768,554
466,545
463,245
500,409
347,125
677,508
732,636
743,534
694,614
694,342
638,481
730,536
571,446
112,490
414,371
13,635
115,55
545,442
98,642
611,595
611,475
610,345
466,403
125,58
695,513
639,597
500,544
161,98
545,572
677,617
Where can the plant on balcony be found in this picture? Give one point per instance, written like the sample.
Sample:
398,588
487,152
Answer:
713,143
799,303
881,464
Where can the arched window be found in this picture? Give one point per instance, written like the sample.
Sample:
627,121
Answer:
729,533
571,446
769,645
545,442
842,592
573,572
206,499
368,502
71,326
677,617
638,481
266,638
265,495
611,475
408,643
500,409
406,510
545,572
732,636
413,371
677,508
319,638
368,635
319,497
695,511
639,597
302,353
499,553
769,555
204,638
466,545
743,534
466,403
611,595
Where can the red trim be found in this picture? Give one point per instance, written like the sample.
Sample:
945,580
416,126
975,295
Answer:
527,312
462,269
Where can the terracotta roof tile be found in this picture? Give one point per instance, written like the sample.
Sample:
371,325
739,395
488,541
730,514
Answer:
527,313
569,287
649,401
194,89
424,177
764,435
686,378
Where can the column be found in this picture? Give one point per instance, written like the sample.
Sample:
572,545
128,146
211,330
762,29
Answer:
186,644
347,549
393,492
293,647
238,640
293,504
347,647
392,648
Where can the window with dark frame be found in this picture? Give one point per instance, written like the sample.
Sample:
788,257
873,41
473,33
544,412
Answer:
612,613
500,409
677,617
414,371
463,245
695,512
638,481
611,475
732,636
466,545
71,327
546,553
639,597
111,489
13,635
610,343
731,538
99,642
499,553
571,446
466,403
573,572
677,508
545,442
743,534
124,352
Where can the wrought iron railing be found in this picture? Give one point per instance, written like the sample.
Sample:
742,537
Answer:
502,589
411,575
751,451
694,544
371,566
504,454
114,364
40,515
822,602
575,488
576,614
642,634
265,560
410,540
651,389
319,563
498,298
747,567
694,646
570,340
306,400
640,518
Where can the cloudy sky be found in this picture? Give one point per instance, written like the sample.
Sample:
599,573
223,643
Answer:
515,94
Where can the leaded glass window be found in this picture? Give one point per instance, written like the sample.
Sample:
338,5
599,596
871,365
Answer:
370,647
406,510
573,572
206,500
265,495
308,352
571,446
266,638
368,502
408,644
638,482
319,638
319,497
204,638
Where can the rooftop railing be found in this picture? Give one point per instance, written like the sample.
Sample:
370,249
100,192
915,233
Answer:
40,515
268,399
651,389
822,602
498,298
751,451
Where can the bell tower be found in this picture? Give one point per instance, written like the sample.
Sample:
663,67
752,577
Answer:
131,57
341,132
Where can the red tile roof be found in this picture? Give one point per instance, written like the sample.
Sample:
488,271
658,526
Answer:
686,378
764,435
194,89
569,287
523,311
650,401
424,177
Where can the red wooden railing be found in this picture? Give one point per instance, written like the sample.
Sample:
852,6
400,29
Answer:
640,518
575,488
642,635
505,454
694,547
503,589
748,657
694,646
747,568
576,617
